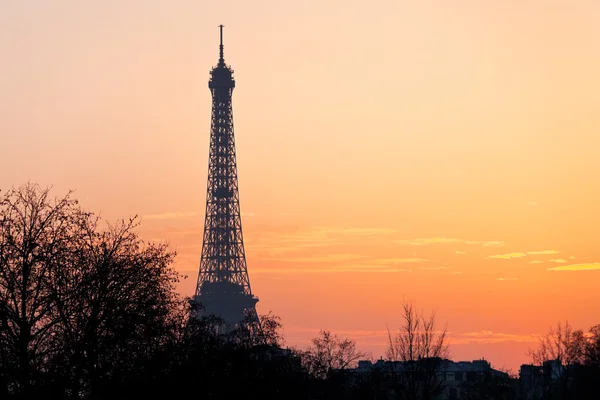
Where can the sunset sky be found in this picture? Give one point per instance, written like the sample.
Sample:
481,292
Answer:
442,151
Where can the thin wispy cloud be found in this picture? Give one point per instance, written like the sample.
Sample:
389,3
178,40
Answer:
328,270
532,203
359,231
543,252
489,243
433,268
381,335
460,252
345,332
278,243
577,267
171,215
428,241
373,338
399,260
491,337
521,255
508,256
319,259
508,279
445,240
558,260
350,260
536,262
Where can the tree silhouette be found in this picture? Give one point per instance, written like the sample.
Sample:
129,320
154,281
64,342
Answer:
570,361
81,308
36,239
271,329
328,354
114,303
592,348
561,344
420,349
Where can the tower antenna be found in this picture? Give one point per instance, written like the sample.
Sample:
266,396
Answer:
221,57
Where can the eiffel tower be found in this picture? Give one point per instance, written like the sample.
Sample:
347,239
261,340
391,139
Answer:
223,288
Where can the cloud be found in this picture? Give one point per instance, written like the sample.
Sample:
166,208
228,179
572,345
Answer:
399,260
445,240
508,256
275,243
428,241
543,252
171,215
341,332
380,336
460,252
351,261
184,214
536,262
488,244
326,270
520,255
558,260
577,267
532,203
433,268
318,259
489,337
509,279
358,231
300,336
571,258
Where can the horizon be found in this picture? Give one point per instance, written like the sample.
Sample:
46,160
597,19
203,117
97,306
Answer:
443,154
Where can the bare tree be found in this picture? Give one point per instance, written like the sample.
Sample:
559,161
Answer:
562,345
417,337
592,350
244,336
36,236
271,329
328,353
420,348
558,350
81,307
115,303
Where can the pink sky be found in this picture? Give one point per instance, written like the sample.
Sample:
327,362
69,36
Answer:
446,152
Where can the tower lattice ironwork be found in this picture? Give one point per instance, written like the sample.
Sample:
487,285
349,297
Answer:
223,287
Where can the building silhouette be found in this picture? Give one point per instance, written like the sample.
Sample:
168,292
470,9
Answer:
223,287
408,379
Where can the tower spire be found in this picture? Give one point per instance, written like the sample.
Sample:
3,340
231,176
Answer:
221,57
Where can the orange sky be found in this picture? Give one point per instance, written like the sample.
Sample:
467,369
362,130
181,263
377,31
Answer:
446,152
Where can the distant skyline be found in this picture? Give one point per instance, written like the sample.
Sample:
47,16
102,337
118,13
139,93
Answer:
445,153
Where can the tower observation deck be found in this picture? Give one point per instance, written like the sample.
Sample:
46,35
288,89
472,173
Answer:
223,287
